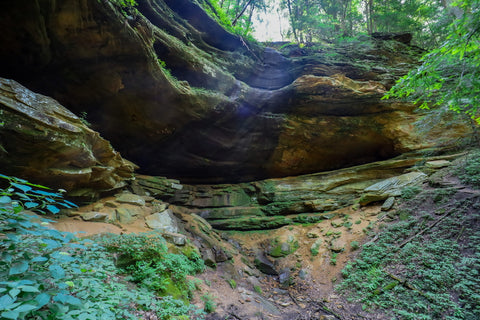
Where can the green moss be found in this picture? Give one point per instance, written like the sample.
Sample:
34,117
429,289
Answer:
232,283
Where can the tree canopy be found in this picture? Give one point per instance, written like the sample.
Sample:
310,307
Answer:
449,74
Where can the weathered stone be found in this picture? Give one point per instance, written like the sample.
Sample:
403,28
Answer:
226,212
302,274
95,216
265,265
208,257
130,198
312,235
388,204
220,254
372,197
163,221
285,277
436,164
43,142
128,213
111,204
175,238
393,186
159,206
315,247
338,245
160,187
280,250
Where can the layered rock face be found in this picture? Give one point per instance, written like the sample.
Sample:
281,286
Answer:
272,203
181,97
42,141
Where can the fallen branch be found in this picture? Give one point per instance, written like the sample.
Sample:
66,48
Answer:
407,285
425,229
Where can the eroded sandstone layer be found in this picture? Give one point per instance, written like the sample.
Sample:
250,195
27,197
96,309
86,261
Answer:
181,97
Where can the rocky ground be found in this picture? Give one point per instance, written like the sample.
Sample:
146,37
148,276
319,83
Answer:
288,272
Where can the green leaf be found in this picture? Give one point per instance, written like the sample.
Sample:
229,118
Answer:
29,289
14,292
30,205
18,267
48,194
53,209
11,315
67,299
21,187
39,259
51,244
25,308
5,200
56,271
6,301
42,299
69,203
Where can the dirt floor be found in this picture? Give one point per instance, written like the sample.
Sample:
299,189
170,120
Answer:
240,291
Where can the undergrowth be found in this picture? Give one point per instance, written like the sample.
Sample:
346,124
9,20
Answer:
426,264
47,274
146,260
470,172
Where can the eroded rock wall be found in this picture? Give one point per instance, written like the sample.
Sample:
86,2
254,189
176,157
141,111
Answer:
42,141
181,97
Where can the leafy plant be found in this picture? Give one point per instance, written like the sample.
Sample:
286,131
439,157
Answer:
470,172
414,271
209,304
409,192
47,274
354,245
19,194
449,73
232,283
148,262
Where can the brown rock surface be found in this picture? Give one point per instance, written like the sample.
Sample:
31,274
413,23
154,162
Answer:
183,98
42,141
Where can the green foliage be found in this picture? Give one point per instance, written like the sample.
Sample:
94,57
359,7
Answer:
147,261
234,16
47,274
410,192
258,289
432,275
354,245
19,194
470,172
449,74
232,283
125,3
333,21
209,305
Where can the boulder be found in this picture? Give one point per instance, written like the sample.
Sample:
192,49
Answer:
388,204
95,216
127,214
130,198
43,142
393,186
162,221
265,265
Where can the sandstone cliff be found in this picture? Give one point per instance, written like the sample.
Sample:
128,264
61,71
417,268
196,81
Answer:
181,97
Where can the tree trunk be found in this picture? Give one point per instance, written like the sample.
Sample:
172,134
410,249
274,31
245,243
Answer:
292,20
241,12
